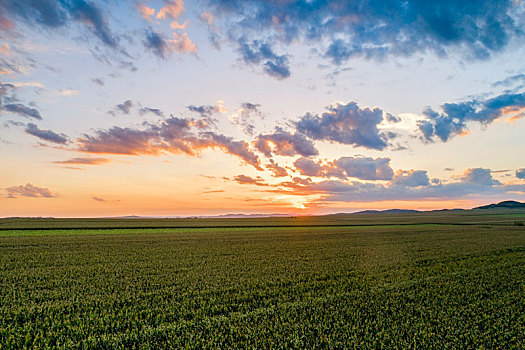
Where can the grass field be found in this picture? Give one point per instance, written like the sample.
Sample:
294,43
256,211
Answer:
429,280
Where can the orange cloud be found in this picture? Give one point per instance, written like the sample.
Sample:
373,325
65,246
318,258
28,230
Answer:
513,114
84,161
173,135
173,10
176,25
182,43
146,12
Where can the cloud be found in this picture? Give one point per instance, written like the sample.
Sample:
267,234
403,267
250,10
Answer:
91,15
520,173
244,117
205,111
29,190
376,29
392,118
261,53
117,140
156,111
479,176
172,135
46,135
177,26
364,168
164,47
347,124
406,185
276,169
411,178
123,108
156,43
171,10
308,167
146,12
510,81
84,161
213,191
247,180
181,43
53,14
98,199
283,143
20,109
10,103
454,117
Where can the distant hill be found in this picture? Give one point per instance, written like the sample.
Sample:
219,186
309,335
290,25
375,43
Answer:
241,216
504,204
388,211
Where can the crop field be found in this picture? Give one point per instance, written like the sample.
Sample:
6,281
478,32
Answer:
436,280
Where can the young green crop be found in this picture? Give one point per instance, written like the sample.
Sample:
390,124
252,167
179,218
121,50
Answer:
404,286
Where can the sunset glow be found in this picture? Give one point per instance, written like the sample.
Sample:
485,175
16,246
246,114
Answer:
187,108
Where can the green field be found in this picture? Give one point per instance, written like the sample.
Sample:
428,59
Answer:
426,280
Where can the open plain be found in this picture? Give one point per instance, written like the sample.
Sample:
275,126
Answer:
422,280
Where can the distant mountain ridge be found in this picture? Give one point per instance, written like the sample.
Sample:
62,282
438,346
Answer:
388,211
504,204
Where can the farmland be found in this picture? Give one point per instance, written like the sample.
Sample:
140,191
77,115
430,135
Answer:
424,280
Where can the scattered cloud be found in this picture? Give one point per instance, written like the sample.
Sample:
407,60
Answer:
156,111
122,108
479,176
54,14
283,143
84,161
157,43
276,169
247,180
29,190
510,81
406,185
146,12
181,43
163,47
212,191
453,119
411,178
261,53
22,110
347,124
205,111
46,135
363,168
340,31
172,135
245,116
177,26
171,10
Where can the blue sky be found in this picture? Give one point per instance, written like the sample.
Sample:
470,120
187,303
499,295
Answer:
303,107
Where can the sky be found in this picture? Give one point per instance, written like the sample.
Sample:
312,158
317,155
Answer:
208,107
